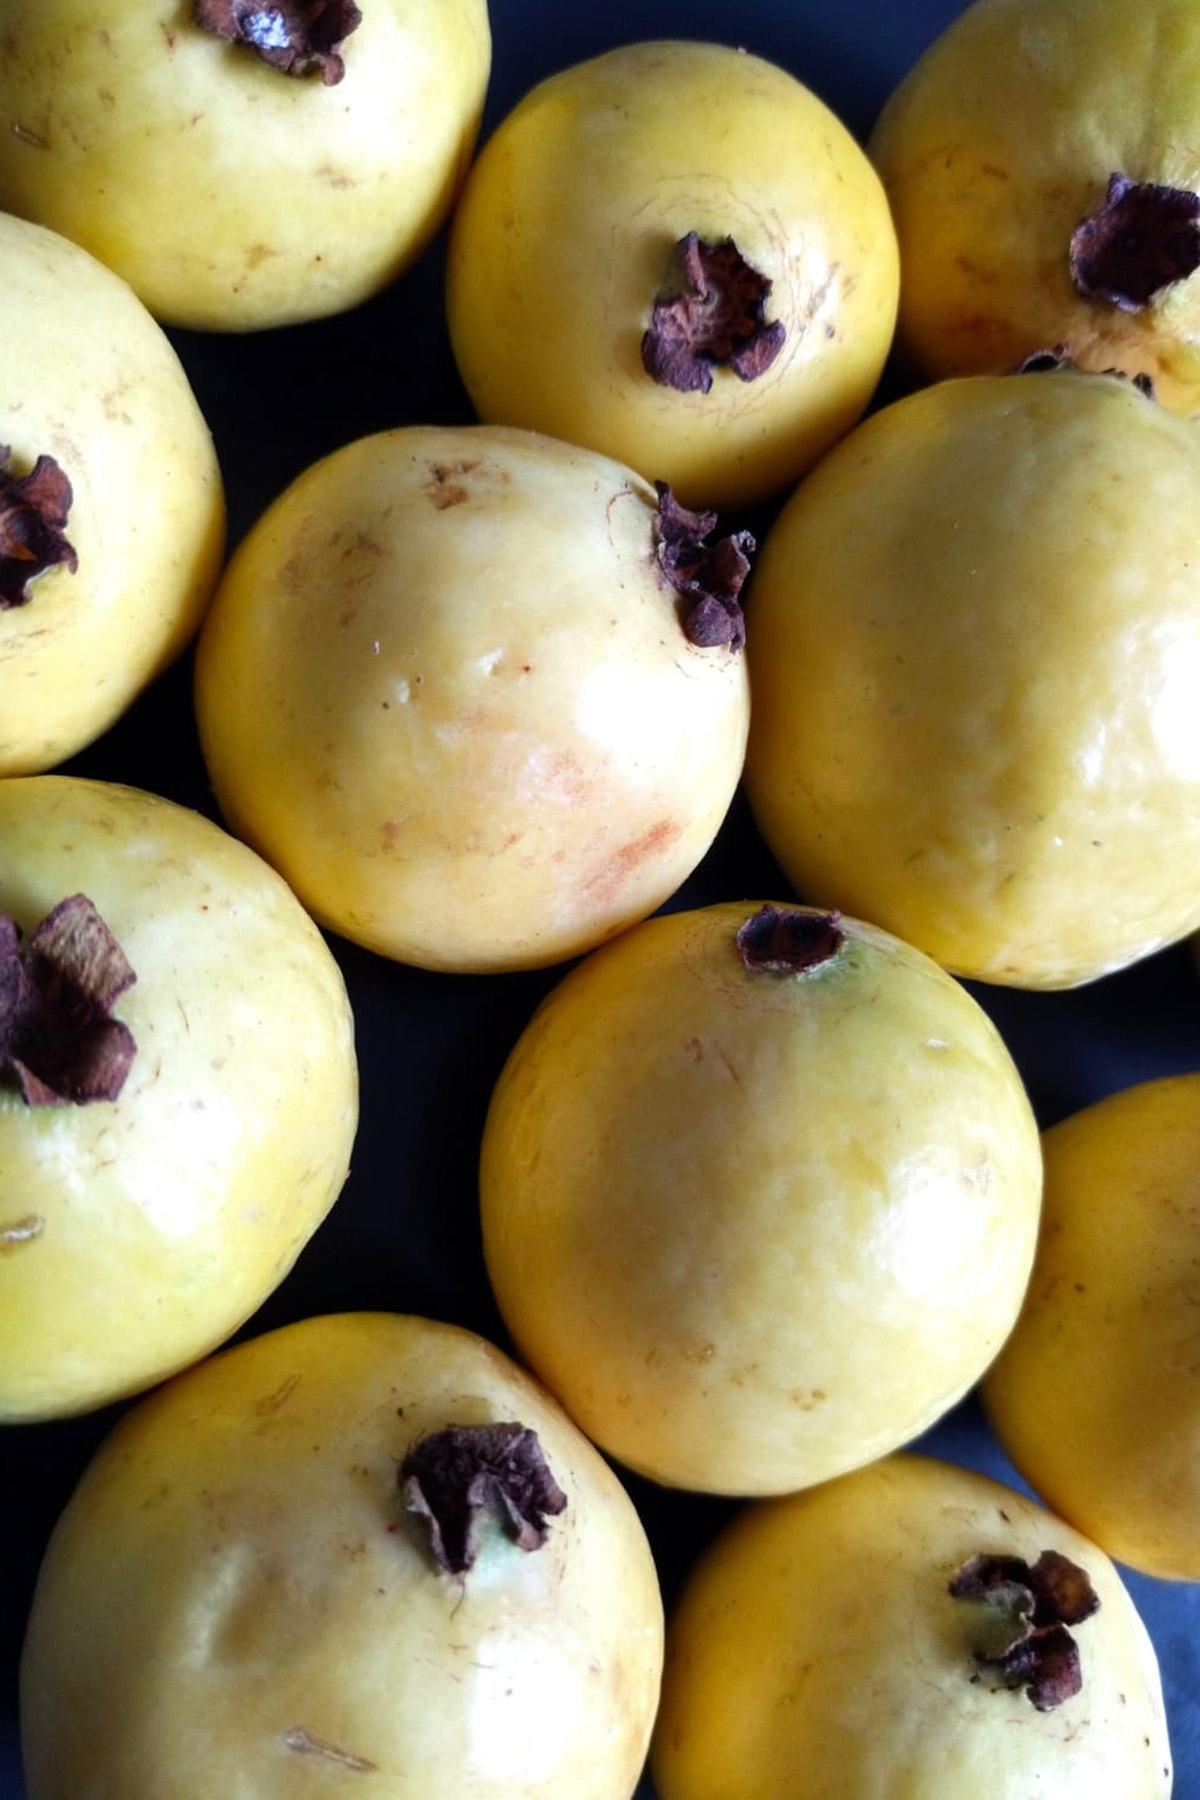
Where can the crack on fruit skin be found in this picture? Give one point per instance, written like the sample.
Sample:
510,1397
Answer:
58,1039
1023,1613
305,1744
458,1477
19,1232
298,37
34,510
789,941
712,316
1141,241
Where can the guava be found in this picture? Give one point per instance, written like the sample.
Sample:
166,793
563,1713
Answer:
478,694
1040,164
112,515
675,253
759,1194
974,656
242,166
1094,1396
178,1089
363,1552
911,1629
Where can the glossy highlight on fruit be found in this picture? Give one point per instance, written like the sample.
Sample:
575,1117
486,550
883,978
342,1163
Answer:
674,252
262,1525
154,1191
759,1194
819,1648
974,655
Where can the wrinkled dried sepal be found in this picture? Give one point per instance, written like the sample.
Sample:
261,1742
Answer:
34,509
1021,1638
459,1477
1144,239
712,315
299,37
780,940
708,576
58,1039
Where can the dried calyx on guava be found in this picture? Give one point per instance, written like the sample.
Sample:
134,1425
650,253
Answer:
1143,239
34,509
464,1476
1023,1612
295,36
711,313
779,940
1058,357
58,1039
708,576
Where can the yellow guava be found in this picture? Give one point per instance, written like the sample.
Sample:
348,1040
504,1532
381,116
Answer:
846,1641
1096,1396
363,1552
112,515
759,1195
675,253
473,692
178,1089
245,172
974,655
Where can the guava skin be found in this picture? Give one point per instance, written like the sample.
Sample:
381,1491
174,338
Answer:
140,1232
232,196
1094,1396
816,1650
755,1229
445,688
973,664
91,381
998,143
564,237
263,1618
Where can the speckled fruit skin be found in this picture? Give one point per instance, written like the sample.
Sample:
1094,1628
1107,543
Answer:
264,1621
136,1234
974,660
997,144
90,379
444,688
816,1651
229,195
1095,1396
754,1230
561,242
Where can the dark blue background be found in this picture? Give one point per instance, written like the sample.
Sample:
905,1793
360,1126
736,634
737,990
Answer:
404,1235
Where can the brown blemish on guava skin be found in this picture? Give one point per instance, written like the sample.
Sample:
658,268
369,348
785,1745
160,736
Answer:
710,315
442,489
461,1476
19,1232
780,940
34,510
708,576
1057,357
298,37
58,1040
1023,1612
1141,241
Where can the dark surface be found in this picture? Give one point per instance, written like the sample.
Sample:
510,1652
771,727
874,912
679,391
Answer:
404,1234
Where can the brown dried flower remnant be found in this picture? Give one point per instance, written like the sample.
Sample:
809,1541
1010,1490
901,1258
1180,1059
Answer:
1058,356
709,576
789,940
1143,239
713,315
296,36
1024,1612
460,1476
58,1039
33,514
